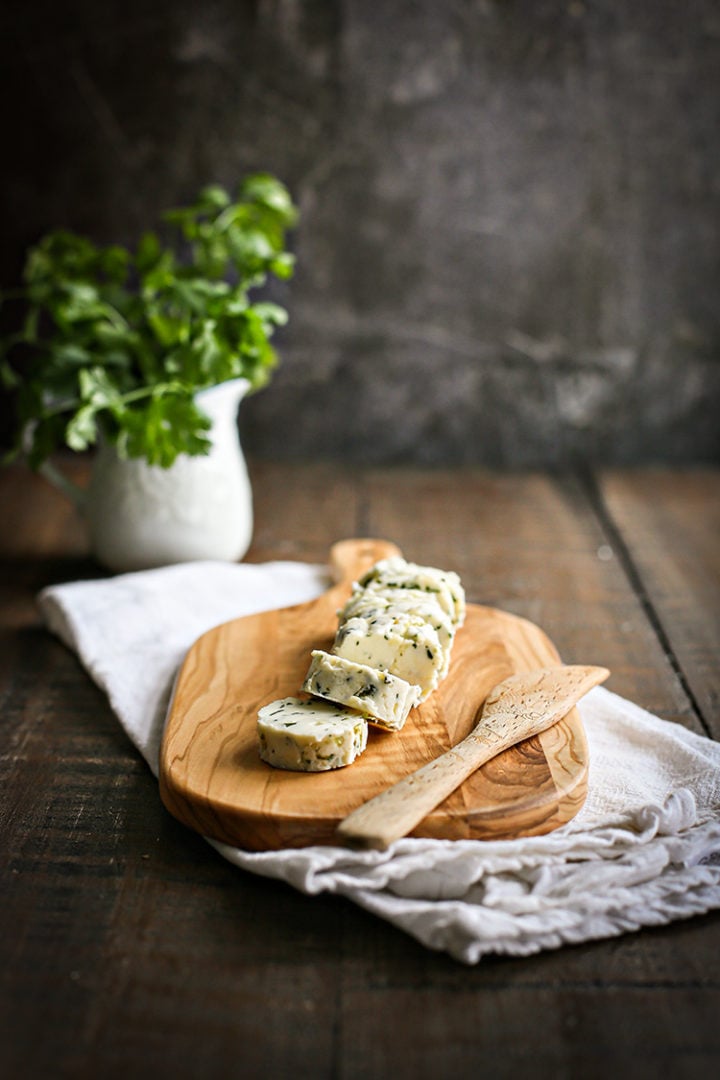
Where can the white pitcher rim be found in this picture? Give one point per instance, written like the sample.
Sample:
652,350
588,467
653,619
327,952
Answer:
240,383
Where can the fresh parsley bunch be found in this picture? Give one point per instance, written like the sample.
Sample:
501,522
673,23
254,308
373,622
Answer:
116,343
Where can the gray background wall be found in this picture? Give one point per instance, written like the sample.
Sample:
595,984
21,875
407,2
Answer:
508,250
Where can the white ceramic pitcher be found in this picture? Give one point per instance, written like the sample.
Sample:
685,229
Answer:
139,515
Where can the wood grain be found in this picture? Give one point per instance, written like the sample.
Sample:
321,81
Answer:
211,777
669,522
132,948
520,707
535,545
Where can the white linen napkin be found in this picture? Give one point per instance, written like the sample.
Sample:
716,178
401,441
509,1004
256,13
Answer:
644,850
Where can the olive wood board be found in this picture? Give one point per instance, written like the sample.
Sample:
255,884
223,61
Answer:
213,780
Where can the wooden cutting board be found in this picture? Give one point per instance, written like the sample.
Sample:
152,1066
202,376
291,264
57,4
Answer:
212,779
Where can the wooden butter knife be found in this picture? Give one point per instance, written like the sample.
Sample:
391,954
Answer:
517,708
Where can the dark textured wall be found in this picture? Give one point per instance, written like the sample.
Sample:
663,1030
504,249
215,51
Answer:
509,241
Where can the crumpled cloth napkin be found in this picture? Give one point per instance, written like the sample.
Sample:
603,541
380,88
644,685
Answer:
644,850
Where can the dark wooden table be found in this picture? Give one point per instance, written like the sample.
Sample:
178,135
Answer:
131,949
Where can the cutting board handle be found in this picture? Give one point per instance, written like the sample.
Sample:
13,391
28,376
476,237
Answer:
350,559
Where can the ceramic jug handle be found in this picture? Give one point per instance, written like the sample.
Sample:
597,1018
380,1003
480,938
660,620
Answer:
73,491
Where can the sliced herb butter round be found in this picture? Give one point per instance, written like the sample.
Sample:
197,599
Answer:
396,573
309,736
370,603
385,699
402,644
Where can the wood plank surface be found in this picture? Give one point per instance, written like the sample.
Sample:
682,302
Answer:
534,545
669,522
132,949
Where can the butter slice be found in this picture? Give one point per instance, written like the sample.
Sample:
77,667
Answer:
369,604
402,644
309,736
383,698
396,573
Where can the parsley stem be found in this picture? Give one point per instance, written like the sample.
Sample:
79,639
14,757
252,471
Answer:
116,317
122,399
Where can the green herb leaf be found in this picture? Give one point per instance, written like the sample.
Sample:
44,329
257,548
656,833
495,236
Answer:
81,431
269,192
